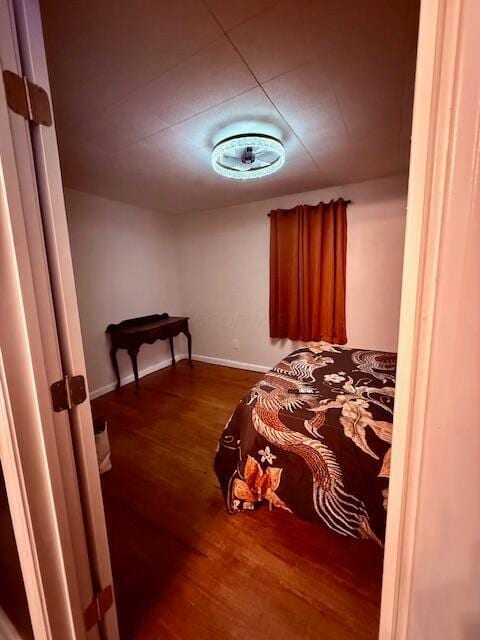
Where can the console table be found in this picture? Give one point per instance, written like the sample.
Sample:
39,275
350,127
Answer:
131,334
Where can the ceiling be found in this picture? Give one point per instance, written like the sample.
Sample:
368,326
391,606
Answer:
143,89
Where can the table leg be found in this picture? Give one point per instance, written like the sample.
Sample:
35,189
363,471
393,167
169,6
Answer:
113,358
189,339
170,339
133,357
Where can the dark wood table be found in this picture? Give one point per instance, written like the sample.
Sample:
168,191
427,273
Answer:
131,334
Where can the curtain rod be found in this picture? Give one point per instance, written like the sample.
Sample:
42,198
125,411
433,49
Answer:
312,205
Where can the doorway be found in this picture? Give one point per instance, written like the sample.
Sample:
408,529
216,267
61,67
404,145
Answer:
397,485
110,141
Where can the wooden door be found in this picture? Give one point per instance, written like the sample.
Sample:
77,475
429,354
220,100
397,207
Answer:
57,586
51,468
430,587
57,244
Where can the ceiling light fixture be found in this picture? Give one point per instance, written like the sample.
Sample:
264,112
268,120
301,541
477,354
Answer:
248,156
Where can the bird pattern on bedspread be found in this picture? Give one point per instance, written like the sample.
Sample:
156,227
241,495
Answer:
325,457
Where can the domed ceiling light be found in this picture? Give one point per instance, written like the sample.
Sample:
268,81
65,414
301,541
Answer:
248,156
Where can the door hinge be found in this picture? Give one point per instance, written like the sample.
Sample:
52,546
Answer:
68,392
27,99
95,612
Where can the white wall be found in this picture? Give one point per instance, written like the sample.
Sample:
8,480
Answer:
224,281
213,266
125,264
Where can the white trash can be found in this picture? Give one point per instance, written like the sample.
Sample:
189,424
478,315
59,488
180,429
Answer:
102,445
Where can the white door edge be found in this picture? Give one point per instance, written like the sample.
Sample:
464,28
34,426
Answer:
434,154
47,164
52,559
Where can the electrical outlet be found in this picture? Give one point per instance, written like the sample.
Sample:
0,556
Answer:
236,344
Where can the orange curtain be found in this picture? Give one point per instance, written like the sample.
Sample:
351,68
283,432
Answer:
308,250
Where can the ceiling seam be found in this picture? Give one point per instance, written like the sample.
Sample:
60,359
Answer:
340,110
176,124
254,15
260,85
131,92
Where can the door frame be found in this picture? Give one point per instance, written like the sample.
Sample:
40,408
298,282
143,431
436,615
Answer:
37,453
19,512
28,441
442,103
58,254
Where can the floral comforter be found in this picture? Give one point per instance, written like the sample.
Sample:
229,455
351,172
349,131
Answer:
324,457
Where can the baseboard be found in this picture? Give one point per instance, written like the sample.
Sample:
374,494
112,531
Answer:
95,393
7,630
232,363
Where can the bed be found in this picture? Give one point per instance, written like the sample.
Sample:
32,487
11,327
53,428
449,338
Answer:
323,457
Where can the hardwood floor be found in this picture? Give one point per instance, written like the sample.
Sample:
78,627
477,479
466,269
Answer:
185,569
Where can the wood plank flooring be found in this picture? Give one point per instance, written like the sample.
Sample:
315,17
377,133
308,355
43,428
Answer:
183,568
